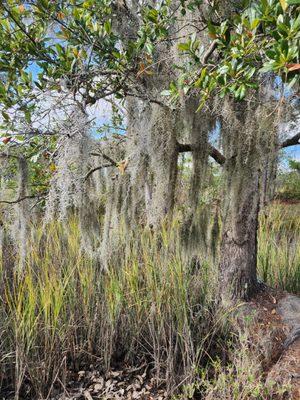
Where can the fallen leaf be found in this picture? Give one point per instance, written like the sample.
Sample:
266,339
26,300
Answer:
116,373
81,374
98,387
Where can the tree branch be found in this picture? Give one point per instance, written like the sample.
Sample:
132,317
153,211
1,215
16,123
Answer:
113,162
91,171
291,141
209,51
22,199
38,50
212,151
183,147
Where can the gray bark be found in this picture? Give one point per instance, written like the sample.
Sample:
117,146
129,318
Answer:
238,280
249,141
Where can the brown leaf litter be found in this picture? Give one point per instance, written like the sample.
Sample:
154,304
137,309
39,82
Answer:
126,384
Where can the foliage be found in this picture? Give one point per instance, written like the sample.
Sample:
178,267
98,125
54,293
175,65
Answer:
288,183
261,37
81,46
75,46
294,165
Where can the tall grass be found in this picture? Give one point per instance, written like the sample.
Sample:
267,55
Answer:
279,247
63,313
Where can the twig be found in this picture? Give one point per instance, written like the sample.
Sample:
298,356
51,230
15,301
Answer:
209,51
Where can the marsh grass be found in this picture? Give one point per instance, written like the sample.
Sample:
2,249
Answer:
63,313
279,249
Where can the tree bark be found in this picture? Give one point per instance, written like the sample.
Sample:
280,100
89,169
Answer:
238,280
248,139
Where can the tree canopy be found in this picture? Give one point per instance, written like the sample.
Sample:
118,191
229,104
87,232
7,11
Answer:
96,49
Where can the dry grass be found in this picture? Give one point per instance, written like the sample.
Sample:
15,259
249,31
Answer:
63,313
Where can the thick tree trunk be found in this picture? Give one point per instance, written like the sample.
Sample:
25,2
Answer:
238,279
248,139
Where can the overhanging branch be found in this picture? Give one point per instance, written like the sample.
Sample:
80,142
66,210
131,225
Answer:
293,141
36,196
209,51
106,157
212,151
91,171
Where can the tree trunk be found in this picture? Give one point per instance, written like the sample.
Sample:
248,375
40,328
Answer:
238,280
248,139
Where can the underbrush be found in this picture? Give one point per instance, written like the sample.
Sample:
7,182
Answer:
62,313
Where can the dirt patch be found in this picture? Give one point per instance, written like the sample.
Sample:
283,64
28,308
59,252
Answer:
276,333
286,372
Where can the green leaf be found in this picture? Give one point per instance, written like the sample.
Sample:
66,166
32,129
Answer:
240,92
107,27
201,77
27,116
152,15
184,46
223,70
5,116
149,47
